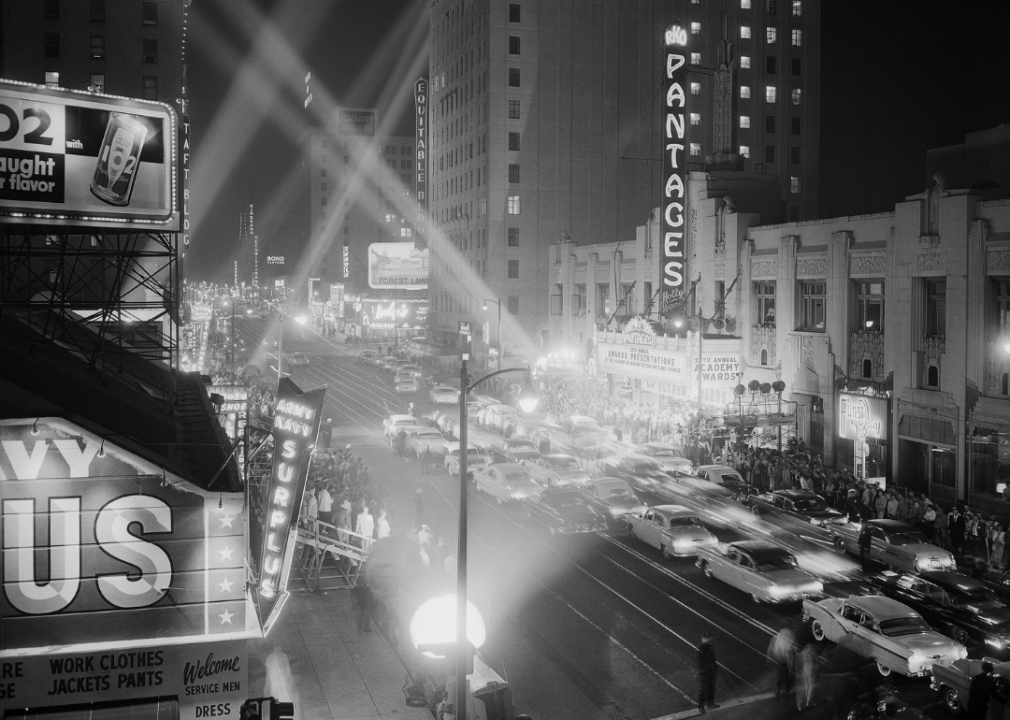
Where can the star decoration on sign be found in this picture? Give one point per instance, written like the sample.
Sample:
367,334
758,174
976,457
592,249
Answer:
225,585
226,553
226,617
226,520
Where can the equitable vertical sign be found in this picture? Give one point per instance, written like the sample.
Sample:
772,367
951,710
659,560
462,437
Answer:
421,162
674,183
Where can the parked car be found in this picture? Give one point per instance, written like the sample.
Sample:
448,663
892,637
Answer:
894,635
763,570
725,476
803,505
506,481
958,606
557,469
616,495
568,510
668,456
407,386
428,437
474,459
674,530
444,395
388,363
392,424
896,544
366,356
953,681
996,580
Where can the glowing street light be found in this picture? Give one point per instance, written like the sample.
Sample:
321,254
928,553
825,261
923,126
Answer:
433,627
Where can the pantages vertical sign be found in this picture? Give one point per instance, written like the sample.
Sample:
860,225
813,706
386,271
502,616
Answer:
296,425
421,162
674,178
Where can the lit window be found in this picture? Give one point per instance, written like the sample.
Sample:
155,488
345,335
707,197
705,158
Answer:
813,298
696,58
745,62
794,184
745,92
745,121
696,28
745,32
695,149
797,38
745,4
745,151
797,8
695,88
52,79
797,96
771,93
97,47
696,118
771,35
513,204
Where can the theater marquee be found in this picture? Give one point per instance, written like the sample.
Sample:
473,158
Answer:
674,161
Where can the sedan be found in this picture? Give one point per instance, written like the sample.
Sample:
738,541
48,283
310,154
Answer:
506,481
296,359
672,529
667,456
763,570
407,386
568,510
894,543
802,505
884,630
637,470
616,495
366,356
556,469
444,395
430,438
394,423
725,476
474,459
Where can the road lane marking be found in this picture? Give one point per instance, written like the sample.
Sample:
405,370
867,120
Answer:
726,704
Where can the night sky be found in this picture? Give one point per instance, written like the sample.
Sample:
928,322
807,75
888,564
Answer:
897,78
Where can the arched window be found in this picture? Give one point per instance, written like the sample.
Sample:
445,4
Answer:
933,376
867,368
764,360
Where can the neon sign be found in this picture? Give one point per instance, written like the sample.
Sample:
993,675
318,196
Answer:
674,183
421,165
860,417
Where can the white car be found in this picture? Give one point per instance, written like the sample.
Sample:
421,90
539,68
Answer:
474,459
495,416
674,530
884,630
506,481
296,359
444,395
414,370
667,456
407,386
556,469
722,475
393,424
428,437
763,570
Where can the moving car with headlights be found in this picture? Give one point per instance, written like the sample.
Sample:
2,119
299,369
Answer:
763,570
668,456
296,359
474,459
672,529
366,356
506,481
958,606
394,423
636,470
407,386
556,469
896,544
890,633
725,476
953,681
616,495
420,438
802,505
568,510
444,395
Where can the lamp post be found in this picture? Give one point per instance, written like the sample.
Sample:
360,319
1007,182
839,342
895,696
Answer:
282,316
527,402
498,331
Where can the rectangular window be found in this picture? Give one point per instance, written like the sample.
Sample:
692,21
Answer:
1001,295
513,204
745,32
97,13
97,82
51,45
150,51
695,149
797,67
514,45
794,125
150,88
695,88
794,154
52,10
513,269
745,151
513,304
513,141
936,307
513,77
602,299
813,298
797,96
769,153
797,38
513,109
513,237
514,12
745,4
770,123
150,13
797,8
764,291
794,185
771,7
97,47
695,58
771,93
745,121
696,28
558,300
771,35
771,65
579,299
745,62
52,79
696,118
870,305
513,172
744,92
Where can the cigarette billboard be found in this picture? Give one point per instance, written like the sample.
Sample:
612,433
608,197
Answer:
85,159
399,265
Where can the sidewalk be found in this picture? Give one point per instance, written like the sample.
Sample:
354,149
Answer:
763,706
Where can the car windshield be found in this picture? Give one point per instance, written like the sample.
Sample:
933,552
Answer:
618,492
896,627
809,504
563,463
520,444
908,538
783,562
684,522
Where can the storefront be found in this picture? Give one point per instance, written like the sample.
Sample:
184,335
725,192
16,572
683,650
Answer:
863,430
988,447
390,320
927,453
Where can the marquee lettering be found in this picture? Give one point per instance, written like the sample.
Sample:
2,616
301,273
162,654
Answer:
674,137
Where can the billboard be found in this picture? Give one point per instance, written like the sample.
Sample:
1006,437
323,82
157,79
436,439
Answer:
389,314
397,265
86,159
356,122
100,546
861,417
674,161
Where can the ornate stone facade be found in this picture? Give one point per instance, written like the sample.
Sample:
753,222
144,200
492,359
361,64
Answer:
762,337
871,264
998,258
764,269
866,346
930,262
812,267
933,348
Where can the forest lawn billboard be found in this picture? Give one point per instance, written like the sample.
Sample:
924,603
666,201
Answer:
399,265
86,159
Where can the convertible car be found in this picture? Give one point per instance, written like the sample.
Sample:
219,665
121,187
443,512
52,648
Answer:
763,570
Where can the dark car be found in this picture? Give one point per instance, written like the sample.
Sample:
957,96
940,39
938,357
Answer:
513,453
802,505
568,510
957,605
996,580
636,470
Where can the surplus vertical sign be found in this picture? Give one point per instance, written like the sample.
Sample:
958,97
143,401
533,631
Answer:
674,177
421,162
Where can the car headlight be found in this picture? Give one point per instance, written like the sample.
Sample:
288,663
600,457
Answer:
779,591
816,521
996,641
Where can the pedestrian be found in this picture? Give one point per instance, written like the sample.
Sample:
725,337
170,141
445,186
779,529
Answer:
382,525
326,505
865,545
326,434
781,654
419,508
979,690
929,521
941,527
365,527
705,669
363,601
903,508
425,457
998,540
401,441
312,510
955,529
806,676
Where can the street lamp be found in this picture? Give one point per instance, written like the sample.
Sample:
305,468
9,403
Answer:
498,337
528,400
300,319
